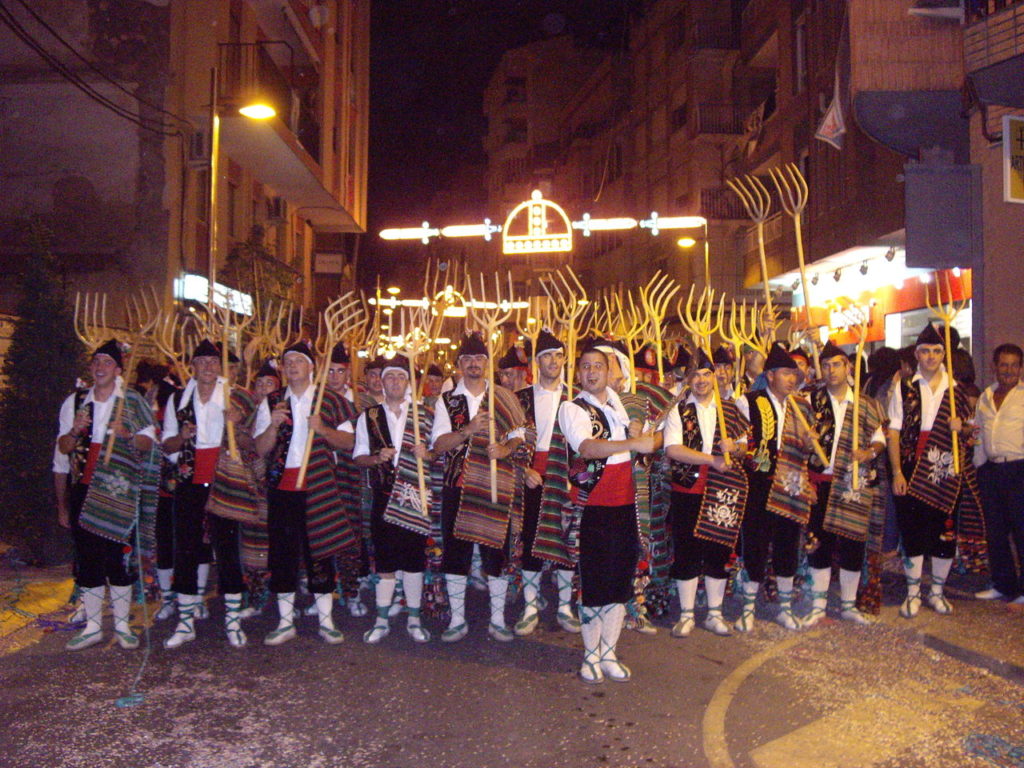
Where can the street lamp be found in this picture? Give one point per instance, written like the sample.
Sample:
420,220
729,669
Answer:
689,242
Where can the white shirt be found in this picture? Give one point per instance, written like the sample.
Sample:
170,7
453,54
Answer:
101,413
443,422
301,408
545,402
743,404
707,418
396,426
209,415
576,425
839,410
1001,431
930,402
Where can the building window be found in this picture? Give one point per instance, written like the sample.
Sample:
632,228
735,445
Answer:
800,54
678,117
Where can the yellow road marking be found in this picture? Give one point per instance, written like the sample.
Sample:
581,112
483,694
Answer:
866,732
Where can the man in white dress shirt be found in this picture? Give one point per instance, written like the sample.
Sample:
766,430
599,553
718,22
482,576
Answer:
999,457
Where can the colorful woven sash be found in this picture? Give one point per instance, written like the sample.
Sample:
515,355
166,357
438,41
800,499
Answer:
404,508
791,491
933,481
725,495
551,543
848,511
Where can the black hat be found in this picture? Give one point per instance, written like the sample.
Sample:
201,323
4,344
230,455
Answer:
930,336
682,358
110,348
514,358
700,362
472,344
339,354
548,342
723,356
206,348
646,359
301,348
376,364
597,343
798,351
269,368
830,350
232,357
435,370
778,357
399,361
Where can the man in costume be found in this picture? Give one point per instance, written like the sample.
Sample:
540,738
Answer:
540,404
595,425
267,379
385,447
725,372
353,566
306,520
513,369
925,488
434,382
193,429
999,457
460,433
840,514
700,513
106,499
373,387
778,500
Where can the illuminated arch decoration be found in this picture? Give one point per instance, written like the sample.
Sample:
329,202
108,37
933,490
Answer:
537,226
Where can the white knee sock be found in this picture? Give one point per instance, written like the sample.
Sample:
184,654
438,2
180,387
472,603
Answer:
687,594
913,566
165,577
611,628
848,583
497,587
285,609
202,576
590,631
940,572
564,580
92,604
716,593
456,597
384,592
820,580
413,583
324,606
121,606
531,589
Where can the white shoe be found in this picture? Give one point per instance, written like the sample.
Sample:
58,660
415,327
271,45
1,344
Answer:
454,634
591,673
330,635
715,624
376,633
812,618
248,612
84,640
786,618
202,612
939,604
616,671
1017,600
127,640
183,633
356,607
396,608
167,608
567,620
78,614
911,605
855,616
237,638
500,633
989,594
528,623
644,627
280,636
418,633
684,626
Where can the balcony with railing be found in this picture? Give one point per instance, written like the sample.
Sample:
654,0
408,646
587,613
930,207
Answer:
995,33
717,119
721,204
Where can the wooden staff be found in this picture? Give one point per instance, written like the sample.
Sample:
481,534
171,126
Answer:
629,326
817,446
859,329
413,343
792,188
336,314
530,326
758,202
948,313
569,302
491,320
701,325
140,325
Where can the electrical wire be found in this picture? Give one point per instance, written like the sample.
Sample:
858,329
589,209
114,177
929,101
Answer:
42,22
7,18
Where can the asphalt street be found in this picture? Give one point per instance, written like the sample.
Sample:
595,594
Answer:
935,691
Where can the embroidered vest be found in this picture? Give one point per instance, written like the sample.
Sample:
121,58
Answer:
379,476
458,414
910,392
279,453
762,451
80,453
825,424
686,475
586,473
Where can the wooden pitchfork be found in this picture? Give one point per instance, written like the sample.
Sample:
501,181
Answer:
439,296
626,322
702,323
415,340
568,305
755,198
792,187
337,315
741,331
530,321
490,315
857,325
656,297
90,321
947,313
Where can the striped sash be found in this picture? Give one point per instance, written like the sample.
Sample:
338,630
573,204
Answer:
848,511
404,507
551,542
725,495
790,495
933,481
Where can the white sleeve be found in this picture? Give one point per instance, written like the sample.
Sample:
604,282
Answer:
743,406
171,417
66,420
442,422
262,421
347,426
575,424
878,437
672,431
61,463
896,408
362,446
520,432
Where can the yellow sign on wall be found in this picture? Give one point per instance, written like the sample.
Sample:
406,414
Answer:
1013,159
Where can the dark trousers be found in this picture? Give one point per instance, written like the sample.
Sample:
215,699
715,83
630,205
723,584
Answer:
165,532
693,557
289,541
1002,498
531,516
762,529
97,560
395,548
190,549
851,553
609,550
921,528
458,553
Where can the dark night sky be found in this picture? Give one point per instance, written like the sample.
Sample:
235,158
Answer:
430,61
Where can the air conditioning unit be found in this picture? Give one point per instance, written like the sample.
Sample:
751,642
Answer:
277,209
198,149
